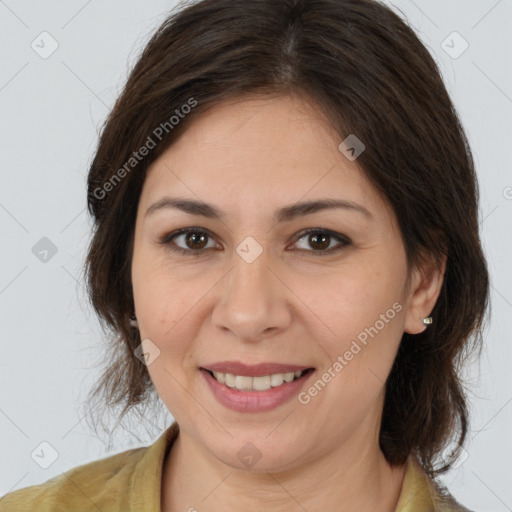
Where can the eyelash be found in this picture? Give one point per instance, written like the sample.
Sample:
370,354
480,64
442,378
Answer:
167,241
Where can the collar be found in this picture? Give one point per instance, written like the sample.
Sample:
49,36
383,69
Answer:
417,494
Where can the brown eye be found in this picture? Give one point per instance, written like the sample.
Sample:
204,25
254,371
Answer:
193,240
320,240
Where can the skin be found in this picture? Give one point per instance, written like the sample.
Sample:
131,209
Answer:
249,157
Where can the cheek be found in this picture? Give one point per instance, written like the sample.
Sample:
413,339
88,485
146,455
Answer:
166,315
163,307
365,320
161,294
352,299
361,313
161,304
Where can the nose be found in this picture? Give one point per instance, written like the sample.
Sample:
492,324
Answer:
254,300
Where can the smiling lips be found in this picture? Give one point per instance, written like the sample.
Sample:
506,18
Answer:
260,377
254,388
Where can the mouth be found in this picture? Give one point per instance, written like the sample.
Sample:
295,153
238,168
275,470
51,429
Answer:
264,390
259,383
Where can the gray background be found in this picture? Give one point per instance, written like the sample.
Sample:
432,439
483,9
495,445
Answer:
51,110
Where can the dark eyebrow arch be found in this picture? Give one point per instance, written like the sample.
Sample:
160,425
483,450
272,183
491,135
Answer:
285,214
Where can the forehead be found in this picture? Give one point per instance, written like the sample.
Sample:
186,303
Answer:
256,151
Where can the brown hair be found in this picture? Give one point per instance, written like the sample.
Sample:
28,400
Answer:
369,73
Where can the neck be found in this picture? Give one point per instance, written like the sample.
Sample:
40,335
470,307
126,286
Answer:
342,480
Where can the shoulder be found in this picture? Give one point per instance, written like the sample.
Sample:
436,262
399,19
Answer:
129,480
96,485
420,493
444,501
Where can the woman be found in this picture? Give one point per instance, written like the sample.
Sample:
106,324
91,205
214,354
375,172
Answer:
286,249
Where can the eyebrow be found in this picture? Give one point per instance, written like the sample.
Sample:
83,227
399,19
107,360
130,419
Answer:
285,214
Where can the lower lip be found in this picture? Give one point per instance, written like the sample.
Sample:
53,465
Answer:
254,401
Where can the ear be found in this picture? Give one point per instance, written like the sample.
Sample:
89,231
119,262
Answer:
424,289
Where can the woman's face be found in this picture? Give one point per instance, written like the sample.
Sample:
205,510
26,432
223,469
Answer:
251,287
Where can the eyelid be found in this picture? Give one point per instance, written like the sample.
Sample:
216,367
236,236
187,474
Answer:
333,234
183,231
342,239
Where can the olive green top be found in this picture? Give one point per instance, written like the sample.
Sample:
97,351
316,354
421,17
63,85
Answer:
131,482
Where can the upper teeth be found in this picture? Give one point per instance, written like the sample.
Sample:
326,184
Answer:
264,383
